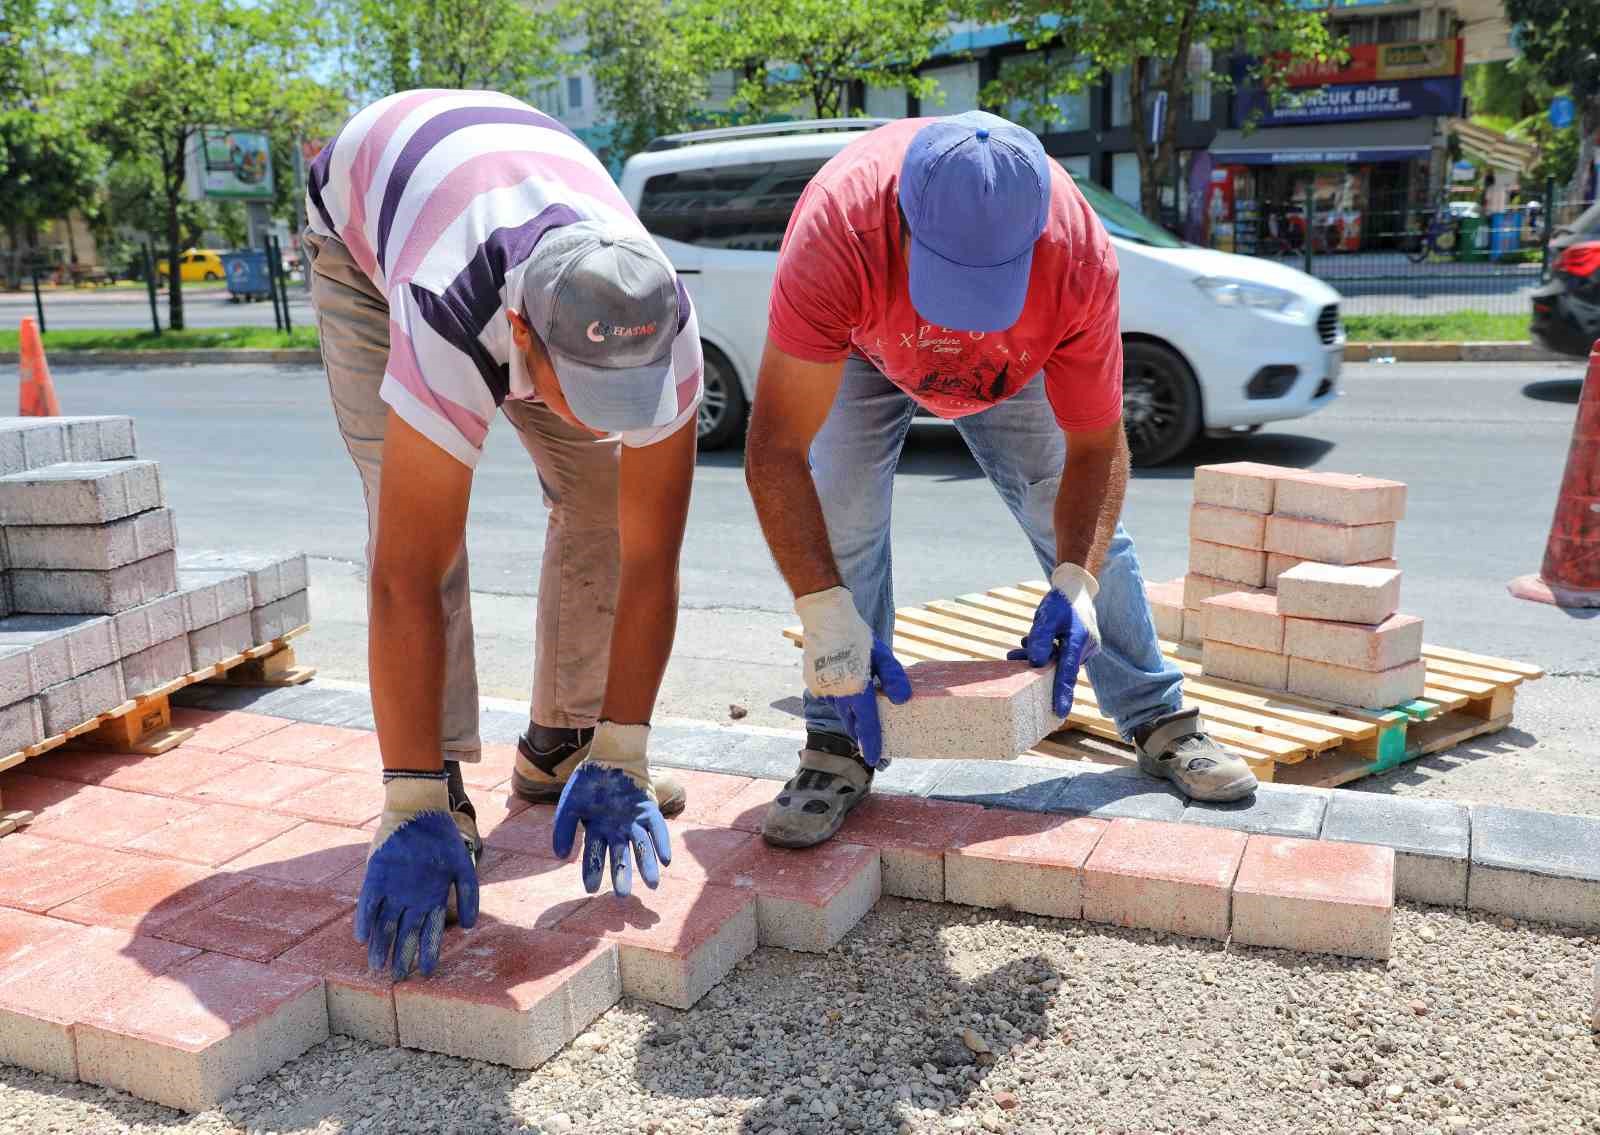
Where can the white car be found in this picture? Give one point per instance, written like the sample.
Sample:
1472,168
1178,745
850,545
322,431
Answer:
1212,341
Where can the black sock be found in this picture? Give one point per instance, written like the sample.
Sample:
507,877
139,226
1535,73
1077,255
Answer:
457,790
548,745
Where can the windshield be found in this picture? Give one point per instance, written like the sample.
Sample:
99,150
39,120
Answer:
1123,220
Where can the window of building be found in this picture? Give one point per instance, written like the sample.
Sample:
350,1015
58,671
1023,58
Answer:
1077,165
1125,177
1122,97
1200,83
574,91
1072,111
958,84
743,207
885,102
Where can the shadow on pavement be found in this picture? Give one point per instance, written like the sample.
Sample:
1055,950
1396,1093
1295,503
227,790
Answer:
1563,390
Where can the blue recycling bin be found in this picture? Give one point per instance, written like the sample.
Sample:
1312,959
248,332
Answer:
1505,234
247,275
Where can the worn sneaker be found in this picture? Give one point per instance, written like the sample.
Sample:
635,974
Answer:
831,780
547,756
1174,747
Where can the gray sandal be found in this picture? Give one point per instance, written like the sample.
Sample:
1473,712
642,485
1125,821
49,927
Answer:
815,801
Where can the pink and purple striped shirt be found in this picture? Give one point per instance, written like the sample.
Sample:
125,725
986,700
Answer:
441,196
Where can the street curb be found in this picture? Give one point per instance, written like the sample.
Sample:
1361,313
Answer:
1536,866
1450,352
295,355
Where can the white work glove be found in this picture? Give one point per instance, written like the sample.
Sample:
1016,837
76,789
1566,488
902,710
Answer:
1065,631
842,659
610,794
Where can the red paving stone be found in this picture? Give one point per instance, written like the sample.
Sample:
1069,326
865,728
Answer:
192,1035
212,834
40,1002
348,798
38,794
1315,896
221,730
311,854
699,851
151,897
508,994
704,792
301,743
259,921
37,874
22,935
360,1002
492,770
494,809
1173,877
530,832
912,836
360,755
807,899
529,890
259,784
174,773
746,808
107,817
1022,861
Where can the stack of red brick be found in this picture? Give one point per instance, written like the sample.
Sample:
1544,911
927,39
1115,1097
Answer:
1292,585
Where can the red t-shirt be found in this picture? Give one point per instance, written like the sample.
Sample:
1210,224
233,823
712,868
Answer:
841,285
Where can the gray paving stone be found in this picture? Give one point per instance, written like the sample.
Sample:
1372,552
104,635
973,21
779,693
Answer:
69,704
62,646
280,616
273,575
211,595
1271,810
82,492
21,725
1431,839
30,443
91,547
19,679
909,777
155,665
1121,794
219,641
139,628
1535,865
1001,784
99,438
726,749
94,592
499,727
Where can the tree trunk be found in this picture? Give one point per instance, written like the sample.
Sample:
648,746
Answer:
1588,123
174,274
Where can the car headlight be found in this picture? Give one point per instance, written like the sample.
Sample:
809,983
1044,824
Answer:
1243,293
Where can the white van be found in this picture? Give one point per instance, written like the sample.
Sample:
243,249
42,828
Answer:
1212,341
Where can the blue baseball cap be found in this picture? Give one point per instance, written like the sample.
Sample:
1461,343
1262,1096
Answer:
975,190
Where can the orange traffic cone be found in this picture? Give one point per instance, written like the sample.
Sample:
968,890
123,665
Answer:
38,394
1570,576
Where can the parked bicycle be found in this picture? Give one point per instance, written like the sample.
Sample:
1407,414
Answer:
1442,234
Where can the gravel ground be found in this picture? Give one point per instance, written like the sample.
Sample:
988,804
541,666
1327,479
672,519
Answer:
933,1019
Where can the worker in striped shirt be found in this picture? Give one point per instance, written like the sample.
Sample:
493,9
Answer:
467,255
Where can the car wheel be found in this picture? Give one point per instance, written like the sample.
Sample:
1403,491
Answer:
723,406
1160,403
212,276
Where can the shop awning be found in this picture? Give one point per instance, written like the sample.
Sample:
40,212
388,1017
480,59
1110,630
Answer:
1373,141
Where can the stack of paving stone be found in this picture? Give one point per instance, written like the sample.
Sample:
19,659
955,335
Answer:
1292,585
96,607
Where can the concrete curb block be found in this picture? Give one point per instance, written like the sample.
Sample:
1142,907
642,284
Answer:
1451,352
288,355
1540,866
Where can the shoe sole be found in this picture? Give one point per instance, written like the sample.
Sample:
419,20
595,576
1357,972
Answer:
527,790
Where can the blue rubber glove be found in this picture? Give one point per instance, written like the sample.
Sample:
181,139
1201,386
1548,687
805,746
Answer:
610,795
1065,631
845,665
417,855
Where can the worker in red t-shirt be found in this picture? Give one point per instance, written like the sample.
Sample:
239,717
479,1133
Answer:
947,263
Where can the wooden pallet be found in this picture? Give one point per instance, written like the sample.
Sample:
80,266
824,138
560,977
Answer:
143,724
1284,737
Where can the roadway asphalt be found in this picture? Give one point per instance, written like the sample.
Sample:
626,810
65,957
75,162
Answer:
251,458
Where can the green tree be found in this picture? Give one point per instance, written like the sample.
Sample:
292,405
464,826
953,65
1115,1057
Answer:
787,54
501,45
1560,41
184,64
1154,40
645,74
49,167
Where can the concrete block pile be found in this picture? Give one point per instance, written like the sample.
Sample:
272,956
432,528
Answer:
96,603
1293,585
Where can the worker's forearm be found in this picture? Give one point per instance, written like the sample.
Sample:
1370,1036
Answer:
641,640
791,519
405,656
1089,504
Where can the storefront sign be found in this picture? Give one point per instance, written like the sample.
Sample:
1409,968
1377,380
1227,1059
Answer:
1373,62
1404,98
229,164
1316,157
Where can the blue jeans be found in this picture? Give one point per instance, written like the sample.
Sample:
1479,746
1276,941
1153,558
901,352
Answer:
1022,451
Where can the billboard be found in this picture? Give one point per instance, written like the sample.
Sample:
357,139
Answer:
1376,62
1401,98
234,165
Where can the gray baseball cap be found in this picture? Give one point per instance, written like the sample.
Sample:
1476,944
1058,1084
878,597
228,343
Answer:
604,300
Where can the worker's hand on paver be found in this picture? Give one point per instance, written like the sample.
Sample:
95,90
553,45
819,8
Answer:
417,856
1065,631
846,666
611,796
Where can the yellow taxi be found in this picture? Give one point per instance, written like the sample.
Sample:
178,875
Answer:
196,264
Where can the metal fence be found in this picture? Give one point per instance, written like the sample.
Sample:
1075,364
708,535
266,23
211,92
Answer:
1409,257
